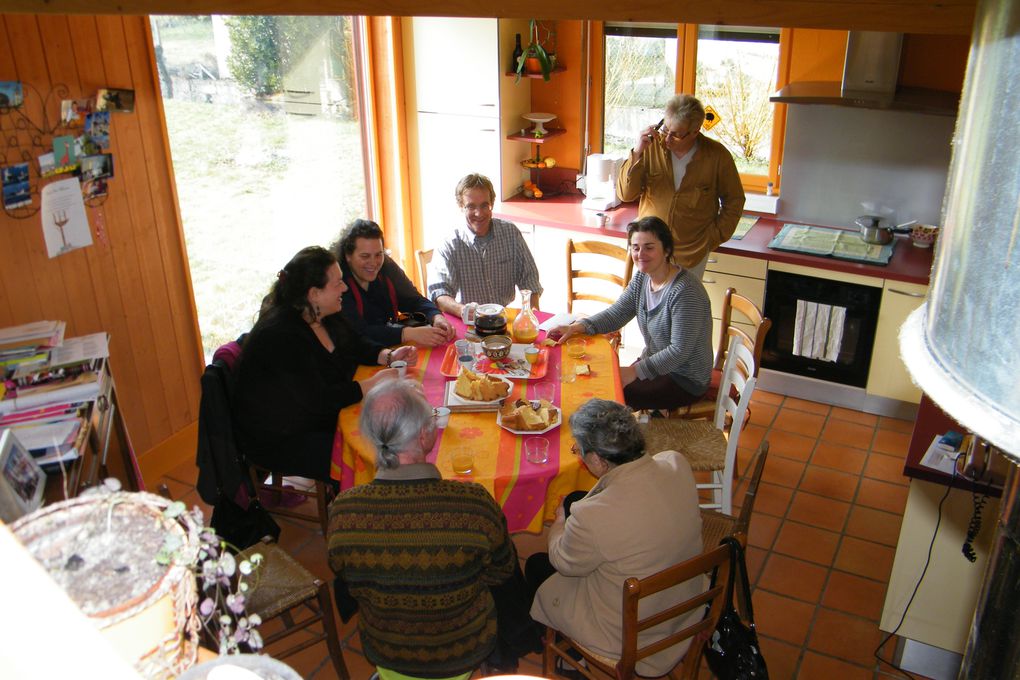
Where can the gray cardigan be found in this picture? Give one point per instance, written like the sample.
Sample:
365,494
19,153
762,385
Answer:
677,333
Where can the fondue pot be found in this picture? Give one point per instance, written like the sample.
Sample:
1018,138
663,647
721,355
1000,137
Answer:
876,230
490,320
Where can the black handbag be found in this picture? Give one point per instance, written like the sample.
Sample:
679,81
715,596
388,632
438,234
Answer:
733,652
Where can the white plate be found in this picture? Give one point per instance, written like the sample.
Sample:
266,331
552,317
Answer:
454,399
499,421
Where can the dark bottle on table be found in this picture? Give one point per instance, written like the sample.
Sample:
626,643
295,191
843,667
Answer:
515,58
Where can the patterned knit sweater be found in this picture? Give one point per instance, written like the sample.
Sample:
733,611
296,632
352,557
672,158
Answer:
419,553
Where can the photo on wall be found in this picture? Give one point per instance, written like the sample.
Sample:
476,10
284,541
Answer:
73,111
64,152
96,167
97,127
120,101
17,189
11,94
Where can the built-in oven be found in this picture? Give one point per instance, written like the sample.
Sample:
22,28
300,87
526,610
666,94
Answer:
821,328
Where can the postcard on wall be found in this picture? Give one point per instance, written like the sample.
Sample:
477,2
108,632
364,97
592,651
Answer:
94,188
11,93
73,111
65,225
95,167
64,153
97,127
110,99
17,188
22,482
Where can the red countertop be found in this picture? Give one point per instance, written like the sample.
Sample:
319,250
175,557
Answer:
909,264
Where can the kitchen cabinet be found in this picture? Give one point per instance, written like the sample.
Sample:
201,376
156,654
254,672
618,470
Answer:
745,274
466,86
888,376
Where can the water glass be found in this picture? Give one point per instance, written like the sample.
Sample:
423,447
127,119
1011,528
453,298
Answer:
537,450
442,416
401,367
463,347
466,361
545,390
463,462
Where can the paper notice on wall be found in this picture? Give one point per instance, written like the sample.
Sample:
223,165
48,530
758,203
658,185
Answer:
65,225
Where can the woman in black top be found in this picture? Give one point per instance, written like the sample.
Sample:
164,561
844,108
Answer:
379,292
296,370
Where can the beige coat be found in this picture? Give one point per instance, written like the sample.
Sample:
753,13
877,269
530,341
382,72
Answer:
640,518
703,212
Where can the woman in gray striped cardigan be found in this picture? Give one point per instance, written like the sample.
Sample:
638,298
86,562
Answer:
675,318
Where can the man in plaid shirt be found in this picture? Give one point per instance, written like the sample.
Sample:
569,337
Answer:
484,260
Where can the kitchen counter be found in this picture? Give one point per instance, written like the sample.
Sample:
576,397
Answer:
909,264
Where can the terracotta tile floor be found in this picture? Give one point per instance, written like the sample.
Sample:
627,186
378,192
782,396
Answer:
821,547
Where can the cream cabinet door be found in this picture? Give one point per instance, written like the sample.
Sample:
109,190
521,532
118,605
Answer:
456,65
888,376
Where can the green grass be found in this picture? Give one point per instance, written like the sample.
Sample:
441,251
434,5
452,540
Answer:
254,188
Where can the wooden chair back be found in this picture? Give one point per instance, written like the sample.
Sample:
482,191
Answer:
424,257
752,315
711,563
595,248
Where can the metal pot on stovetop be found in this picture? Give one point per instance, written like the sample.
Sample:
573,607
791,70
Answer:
875,229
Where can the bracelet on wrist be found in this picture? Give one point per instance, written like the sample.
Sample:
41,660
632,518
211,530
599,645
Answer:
389,357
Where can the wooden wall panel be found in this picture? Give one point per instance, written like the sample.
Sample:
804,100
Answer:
133,282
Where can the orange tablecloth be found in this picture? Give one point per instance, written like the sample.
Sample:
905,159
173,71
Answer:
528,493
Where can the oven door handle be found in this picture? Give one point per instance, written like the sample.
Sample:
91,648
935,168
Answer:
908,294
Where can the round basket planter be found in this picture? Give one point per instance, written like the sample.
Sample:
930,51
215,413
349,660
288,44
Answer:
101,549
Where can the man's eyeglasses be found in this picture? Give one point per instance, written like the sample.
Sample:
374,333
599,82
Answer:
669,135
575,450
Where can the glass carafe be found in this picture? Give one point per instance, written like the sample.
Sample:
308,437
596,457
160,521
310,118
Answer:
525,325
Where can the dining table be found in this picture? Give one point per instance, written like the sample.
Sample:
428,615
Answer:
528,492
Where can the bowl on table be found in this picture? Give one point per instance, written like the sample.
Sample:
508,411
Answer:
923,235
496,347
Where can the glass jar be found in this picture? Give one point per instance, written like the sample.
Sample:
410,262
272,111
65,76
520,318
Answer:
525,326
490,319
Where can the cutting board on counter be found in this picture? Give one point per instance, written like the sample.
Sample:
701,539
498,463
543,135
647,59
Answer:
830,242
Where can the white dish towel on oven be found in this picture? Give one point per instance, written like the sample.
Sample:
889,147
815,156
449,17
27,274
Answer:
818,330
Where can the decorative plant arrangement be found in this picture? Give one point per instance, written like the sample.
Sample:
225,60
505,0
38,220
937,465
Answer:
534,58
222,609
131,561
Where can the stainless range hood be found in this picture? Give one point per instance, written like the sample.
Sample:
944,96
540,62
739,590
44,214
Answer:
870,72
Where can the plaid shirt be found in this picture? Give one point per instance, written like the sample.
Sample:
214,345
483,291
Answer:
484,270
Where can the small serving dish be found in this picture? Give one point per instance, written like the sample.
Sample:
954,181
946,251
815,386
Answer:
496,347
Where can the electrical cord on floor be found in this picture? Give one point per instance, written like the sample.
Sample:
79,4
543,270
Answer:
917,586
974,528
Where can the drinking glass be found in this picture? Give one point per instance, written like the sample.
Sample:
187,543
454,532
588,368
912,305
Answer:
545,390
466,361
537,450
463,462
576,347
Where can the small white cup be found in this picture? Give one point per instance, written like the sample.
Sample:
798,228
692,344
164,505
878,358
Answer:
463,347
466,361
401,367
442,416
537,450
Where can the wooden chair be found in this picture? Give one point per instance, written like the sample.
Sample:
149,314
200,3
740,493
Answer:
595,248
265,479
424,257
705,408
714,564
283,588
716,526
712,445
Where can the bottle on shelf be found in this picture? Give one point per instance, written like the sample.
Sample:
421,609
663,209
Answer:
516,56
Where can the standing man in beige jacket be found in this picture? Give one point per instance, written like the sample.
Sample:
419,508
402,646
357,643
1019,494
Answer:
687,180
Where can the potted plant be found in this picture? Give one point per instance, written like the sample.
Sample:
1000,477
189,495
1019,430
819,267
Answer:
534,59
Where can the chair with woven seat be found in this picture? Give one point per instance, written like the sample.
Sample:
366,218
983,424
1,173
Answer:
283,588
714,565
730,328
266,480
715,526
711,445
424,257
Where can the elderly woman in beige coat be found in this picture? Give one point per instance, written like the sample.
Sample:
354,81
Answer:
641,517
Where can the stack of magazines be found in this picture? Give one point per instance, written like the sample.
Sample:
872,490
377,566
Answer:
46,390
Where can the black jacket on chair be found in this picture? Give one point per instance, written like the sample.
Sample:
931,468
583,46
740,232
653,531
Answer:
221,470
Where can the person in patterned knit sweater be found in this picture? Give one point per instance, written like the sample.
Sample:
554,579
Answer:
419,553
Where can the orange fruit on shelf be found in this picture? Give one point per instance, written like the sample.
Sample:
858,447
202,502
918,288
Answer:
537,192
550,162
